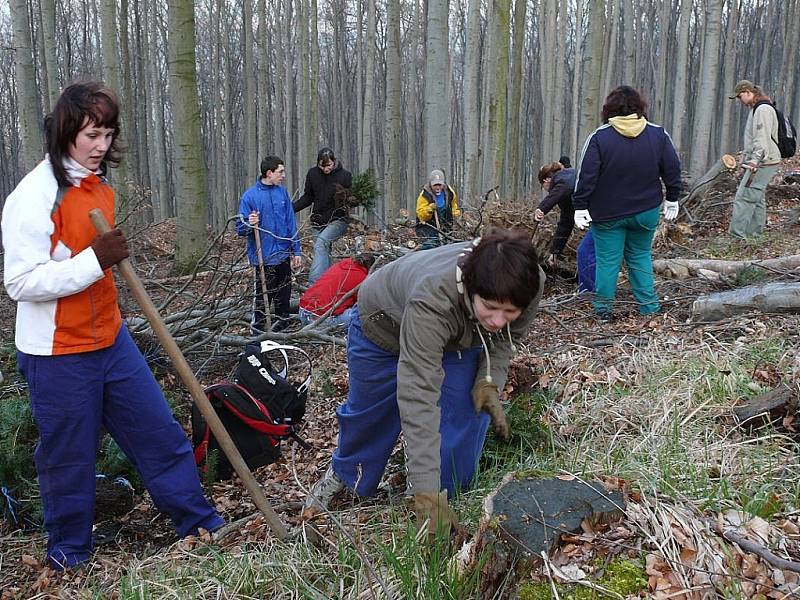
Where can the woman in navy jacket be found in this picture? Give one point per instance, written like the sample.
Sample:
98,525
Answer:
618,190
559,181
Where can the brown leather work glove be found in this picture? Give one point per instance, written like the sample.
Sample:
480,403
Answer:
431,510
485,397
110,248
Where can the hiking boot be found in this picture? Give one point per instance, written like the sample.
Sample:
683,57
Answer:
323,492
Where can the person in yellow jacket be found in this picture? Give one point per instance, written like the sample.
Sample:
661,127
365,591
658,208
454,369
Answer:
437,206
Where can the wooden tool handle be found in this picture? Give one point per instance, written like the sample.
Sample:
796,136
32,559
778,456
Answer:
195,389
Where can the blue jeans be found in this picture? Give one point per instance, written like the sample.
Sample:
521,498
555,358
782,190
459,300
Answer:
72,397
323,238
341,320
587,263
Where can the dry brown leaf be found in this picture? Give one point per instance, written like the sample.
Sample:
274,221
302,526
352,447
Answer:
30,561
688,555
788,527
759,528
750,566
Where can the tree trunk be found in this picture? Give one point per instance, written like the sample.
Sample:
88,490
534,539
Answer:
48,8
437,104
659,104
575,143
610,81
629,44
250,98
496,86
393,200
113,76
368,118
472,109
682,65
27,98
547,69
707,100
190,179
162,190
727,135
263,103
313,86
592,72
515,109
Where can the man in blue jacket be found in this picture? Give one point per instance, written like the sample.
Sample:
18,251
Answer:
267,209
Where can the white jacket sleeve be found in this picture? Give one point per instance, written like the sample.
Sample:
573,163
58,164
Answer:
32,272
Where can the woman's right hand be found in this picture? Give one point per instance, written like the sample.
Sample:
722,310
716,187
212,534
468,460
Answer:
538,215
253,218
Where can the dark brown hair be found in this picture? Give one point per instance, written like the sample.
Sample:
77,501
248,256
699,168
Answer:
503,267
548,170
80,104
365,259
325,156
622,101
270,163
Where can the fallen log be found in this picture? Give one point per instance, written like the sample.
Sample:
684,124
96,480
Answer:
768,298
682,268
725,165
774,404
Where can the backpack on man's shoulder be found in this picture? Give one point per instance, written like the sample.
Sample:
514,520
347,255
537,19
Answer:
787,134
259,408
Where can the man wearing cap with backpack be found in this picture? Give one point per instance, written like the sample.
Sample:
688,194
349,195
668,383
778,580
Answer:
760,158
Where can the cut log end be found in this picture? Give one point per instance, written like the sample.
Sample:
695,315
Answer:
729,161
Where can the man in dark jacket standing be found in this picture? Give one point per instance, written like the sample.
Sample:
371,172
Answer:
328,221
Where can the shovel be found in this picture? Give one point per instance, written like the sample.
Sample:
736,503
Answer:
195,389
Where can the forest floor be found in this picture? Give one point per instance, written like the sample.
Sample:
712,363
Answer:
645,403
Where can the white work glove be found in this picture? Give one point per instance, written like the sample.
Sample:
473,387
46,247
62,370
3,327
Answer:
582,219
670,210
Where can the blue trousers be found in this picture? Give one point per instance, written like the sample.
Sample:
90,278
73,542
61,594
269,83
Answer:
369,421
323,239
587,263
72,396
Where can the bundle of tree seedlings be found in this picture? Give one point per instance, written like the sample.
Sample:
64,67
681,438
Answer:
363,192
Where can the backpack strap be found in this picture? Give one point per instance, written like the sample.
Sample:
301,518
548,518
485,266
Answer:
270,346
202,447
777,115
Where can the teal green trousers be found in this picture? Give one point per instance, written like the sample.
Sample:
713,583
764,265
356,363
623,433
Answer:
630,238
750,204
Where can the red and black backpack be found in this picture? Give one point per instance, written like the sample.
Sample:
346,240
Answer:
259,408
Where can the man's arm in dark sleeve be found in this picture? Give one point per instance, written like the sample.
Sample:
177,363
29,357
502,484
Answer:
557,192
307,199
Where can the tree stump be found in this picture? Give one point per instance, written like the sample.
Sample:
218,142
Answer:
525,516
